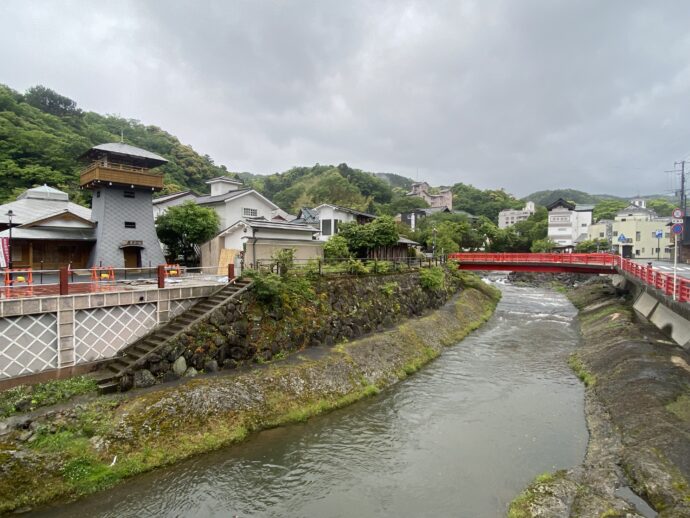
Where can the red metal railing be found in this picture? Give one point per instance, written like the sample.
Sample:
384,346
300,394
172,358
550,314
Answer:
583,259
647,274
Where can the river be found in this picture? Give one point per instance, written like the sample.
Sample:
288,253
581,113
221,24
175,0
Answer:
460,438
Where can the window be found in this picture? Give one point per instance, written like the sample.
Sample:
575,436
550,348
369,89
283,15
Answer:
638,236
637,252
623,219
667,250
584,224
615,233
250,213
335,226
129,194
98,194
326,227
643,250
601,234
130,224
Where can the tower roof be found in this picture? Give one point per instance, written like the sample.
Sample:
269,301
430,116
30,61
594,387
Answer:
125,150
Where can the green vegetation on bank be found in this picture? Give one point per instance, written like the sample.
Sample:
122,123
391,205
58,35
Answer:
521,507
103,441
25,398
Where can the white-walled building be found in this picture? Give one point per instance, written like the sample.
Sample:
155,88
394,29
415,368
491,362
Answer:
508,218
258,240
228,198
568,223
331,216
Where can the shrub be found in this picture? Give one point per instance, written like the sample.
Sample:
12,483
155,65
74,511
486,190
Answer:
284,260
336,248
432,278
356,267
388,289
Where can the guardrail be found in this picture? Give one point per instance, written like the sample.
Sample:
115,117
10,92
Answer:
26,282
350,265
543,258
664,282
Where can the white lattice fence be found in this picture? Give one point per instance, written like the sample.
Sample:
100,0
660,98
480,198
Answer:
177,307
100,333
28,344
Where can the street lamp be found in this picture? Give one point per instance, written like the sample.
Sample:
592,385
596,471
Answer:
9,214
433,245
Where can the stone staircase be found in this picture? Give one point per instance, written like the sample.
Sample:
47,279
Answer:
110,371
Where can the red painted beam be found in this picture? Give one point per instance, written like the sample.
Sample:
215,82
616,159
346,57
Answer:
535,267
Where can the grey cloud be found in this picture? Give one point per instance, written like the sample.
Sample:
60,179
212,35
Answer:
523,95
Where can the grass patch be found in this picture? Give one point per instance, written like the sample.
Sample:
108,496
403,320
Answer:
581,371
521,507
26,398
680,407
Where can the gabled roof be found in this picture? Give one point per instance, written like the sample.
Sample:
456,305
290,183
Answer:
27,209
306,215
346,209
51,234
44,218
224,179
406,241
560,202
122,149
262,223
171,196
584,208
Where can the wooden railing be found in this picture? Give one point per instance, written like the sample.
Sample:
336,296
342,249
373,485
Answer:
122,174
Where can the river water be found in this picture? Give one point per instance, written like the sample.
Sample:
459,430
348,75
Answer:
460,438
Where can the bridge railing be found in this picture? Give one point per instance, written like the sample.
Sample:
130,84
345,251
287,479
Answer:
659,280
680,289
545,258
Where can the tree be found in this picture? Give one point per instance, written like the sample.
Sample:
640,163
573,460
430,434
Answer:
371,237
608,209
542,246
183,227
592,245
661,206
49,101
336,248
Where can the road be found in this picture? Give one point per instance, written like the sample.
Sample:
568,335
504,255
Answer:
667,267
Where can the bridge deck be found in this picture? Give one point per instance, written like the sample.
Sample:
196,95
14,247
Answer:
678,288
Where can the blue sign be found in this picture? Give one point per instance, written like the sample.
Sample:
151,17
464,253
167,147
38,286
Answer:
659,234
622,238
677,228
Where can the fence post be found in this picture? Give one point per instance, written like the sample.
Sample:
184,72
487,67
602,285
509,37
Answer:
320,268
231,271
64,280
161,276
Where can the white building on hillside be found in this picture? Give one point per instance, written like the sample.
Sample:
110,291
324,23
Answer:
568,223
508,218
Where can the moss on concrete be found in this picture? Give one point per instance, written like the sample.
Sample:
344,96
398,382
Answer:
102,442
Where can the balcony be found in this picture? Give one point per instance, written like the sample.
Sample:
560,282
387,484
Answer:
102,172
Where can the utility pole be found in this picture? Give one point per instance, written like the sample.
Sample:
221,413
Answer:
683,206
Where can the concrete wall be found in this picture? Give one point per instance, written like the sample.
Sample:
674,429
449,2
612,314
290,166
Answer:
47,334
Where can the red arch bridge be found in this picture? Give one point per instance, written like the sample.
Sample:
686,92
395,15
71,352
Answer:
576,263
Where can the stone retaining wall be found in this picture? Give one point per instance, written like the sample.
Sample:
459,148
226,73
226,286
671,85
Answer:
245,330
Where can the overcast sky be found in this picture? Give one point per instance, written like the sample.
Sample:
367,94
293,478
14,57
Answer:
524,95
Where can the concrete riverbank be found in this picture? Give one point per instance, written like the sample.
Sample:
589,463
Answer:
88,447
638,415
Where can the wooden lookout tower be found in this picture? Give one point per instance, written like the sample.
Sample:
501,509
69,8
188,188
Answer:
122,185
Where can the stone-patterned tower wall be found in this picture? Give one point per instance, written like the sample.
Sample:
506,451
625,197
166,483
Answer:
111,210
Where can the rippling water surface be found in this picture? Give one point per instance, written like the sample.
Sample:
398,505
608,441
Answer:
460,438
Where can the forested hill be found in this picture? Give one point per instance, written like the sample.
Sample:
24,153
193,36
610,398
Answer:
42,133
547,197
